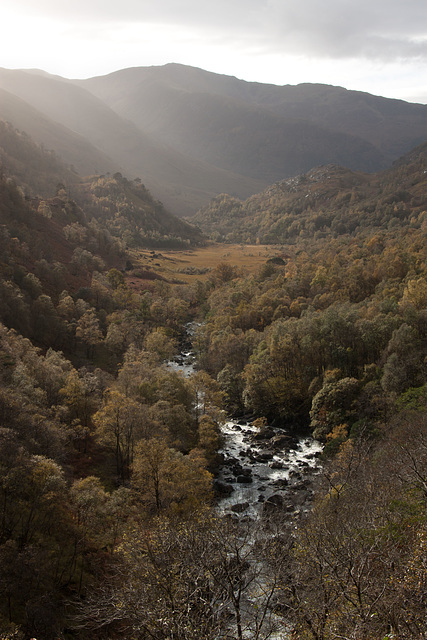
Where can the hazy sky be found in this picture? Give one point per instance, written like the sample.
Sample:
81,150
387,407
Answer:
379,46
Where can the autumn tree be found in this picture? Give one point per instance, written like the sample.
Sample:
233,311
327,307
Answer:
118,424
195,579
165,480
88,331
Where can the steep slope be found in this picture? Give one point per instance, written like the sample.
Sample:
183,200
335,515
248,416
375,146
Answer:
264,130
190,134
183,184
72,147
51,246
102,209
37,171
129,212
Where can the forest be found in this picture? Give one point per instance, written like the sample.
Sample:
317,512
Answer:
108,457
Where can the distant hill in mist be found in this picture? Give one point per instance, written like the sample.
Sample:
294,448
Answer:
191,134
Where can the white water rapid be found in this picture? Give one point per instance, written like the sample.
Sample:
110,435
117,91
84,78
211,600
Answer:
262,469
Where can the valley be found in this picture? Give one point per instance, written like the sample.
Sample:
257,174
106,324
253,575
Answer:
305,401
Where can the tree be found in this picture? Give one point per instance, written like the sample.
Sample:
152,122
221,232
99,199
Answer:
100,515
405,366
81,394
118,424
333,405
159,345
174,423
167,481
196,579
351,570
208,397
88,331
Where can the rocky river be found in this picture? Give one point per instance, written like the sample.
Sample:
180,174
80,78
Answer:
262,469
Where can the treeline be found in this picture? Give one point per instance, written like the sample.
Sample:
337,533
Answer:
129,211
355,567
97,436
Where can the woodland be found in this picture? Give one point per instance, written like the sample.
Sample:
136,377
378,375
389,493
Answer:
108,519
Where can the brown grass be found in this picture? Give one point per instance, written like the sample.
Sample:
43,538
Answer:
197,264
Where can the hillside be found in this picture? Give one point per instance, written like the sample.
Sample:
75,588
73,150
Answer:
87,133
37,171
126,207
54,239
325,202
70,146
128,210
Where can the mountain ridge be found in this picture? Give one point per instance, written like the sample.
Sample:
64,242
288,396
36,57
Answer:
309,101
191,134
120,144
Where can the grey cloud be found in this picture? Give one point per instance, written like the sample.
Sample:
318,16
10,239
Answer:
373,29
376,29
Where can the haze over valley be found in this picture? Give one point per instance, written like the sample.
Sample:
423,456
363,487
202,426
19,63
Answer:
190,134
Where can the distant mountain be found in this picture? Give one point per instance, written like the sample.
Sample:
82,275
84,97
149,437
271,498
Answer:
190,134
327,201
263,130
73,148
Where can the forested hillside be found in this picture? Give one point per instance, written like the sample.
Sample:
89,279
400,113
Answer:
36,170
108,457
327,201
332,334
54,246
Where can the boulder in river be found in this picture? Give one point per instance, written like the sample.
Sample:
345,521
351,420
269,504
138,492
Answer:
280,441
244,479
276,464
222,488
280,482
239,507
273,502
299,497
266,433
263,457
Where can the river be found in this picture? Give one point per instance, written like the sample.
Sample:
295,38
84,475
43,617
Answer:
261,469
264,471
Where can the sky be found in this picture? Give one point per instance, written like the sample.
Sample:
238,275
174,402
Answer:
378,46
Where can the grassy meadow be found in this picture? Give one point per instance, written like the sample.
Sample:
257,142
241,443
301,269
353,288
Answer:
187,266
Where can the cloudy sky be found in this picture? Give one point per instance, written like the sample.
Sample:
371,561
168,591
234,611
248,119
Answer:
379,46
